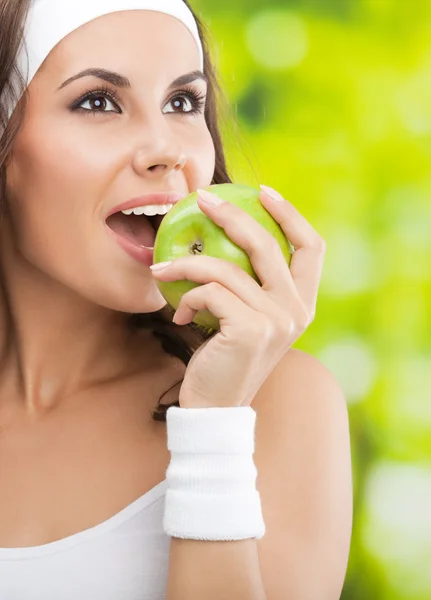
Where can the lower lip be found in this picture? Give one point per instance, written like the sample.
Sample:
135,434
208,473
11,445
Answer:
140,253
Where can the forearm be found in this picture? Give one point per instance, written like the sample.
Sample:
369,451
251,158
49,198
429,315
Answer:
213,510
202,570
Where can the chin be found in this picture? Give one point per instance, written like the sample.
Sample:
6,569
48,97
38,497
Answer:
147,308
147,301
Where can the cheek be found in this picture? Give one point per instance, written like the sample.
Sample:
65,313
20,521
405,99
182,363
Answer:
46,180
201,153
50,160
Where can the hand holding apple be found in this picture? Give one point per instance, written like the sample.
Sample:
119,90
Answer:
258,322
186,230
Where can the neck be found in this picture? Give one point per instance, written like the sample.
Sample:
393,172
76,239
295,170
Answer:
54,344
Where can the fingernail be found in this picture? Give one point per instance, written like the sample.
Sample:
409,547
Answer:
209,198
160,266
272,193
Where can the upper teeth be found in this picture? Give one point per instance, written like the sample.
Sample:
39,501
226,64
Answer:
150,210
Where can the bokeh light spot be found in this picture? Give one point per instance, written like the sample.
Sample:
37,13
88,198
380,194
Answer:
354,366
348,262
398,523
277,39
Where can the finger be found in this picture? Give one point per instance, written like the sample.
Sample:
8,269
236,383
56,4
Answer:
307,261
207,269
306,268
262,248
219,301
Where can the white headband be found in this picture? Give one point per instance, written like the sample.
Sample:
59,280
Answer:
49,21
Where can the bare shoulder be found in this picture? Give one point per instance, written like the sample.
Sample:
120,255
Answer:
301,407
300,379
302,454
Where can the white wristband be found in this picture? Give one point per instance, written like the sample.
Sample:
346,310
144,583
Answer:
211,477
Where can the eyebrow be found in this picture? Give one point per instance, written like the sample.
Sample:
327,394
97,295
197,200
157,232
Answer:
122,82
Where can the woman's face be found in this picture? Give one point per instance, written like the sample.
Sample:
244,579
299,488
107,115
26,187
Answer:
78,157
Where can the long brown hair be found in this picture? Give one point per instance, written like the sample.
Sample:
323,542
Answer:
179,341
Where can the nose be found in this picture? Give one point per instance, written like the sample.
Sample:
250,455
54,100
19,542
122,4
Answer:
160,154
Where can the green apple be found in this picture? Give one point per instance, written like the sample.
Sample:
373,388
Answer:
187,230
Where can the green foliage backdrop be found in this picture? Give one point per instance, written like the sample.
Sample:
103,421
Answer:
333,103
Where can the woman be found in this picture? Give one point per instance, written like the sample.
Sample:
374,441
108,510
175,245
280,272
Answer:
116,109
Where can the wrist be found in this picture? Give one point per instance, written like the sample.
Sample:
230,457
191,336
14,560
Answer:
212,476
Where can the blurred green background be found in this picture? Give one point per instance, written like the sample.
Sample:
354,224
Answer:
333,102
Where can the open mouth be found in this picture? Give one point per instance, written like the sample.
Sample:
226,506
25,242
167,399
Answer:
139,230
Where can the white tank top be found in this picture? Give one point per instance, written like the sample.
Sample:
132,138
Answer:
123,558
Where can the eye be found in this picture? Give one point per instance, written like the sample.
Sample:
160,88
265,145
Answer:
97,104
180,104
189,102
97,101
